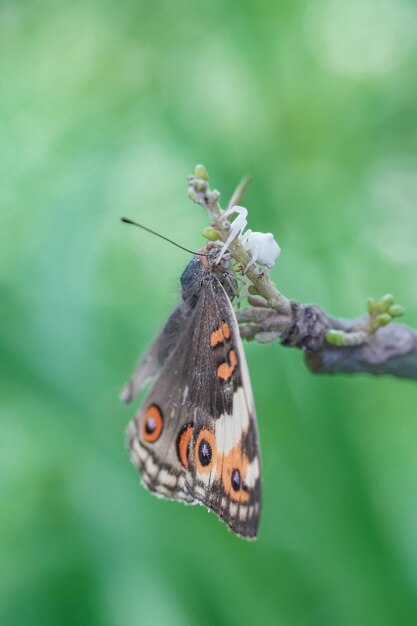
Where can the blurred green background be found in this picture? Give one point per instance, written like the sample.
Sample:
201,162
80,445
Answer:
105,108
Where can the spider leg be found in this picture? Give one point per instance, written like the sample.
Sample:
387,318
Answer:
236,227
252,261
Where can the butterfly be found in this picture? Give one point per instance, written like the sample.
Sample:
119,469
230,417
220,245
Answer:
194,438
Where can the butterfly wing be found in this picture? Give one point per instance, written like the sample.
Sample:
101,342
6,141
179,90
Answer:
194,438
224,467
159,351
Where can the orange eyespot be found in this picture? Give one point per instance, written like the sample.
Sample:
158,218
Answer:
234,467
152,424
183,444
205,451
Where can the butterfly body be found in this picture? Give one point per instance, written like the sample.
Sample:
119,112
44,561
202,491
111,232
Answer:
194,437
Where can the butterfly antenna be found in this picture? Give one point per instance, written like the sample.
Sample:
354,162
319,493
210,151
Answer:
128,221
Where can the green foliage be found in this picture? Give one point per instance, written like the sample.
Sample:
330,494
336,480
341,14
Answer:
105,108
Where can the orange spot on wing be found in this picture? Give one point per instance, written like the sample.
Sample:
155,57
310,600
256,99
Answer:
183,444
225,370
221,334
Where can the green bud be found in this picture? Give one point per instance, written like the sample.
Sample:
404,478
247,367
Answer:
200,185
201,172
192,195
335,337
386,301
236,267
253,291
232,217
371,305
396,310
383,318
210,234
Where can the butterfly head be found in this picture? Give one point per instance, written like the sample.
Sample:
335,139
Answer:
203,268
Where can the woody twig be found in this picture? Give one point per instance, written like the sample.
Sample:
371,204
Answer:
373,343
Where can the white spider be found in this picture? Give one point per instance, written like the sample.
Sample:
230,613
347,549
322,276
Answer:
261,246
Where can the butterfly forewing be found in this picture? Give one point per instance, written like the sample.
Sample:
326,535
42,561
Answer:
224,472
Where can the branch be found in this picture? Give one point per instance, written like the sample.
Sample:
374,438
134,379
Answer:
391,349
372,344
